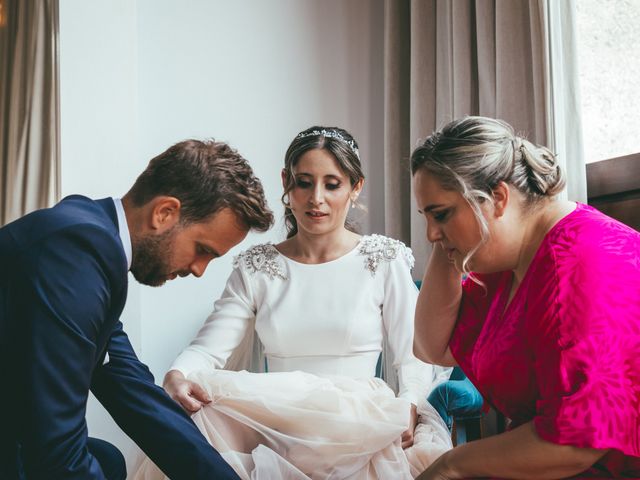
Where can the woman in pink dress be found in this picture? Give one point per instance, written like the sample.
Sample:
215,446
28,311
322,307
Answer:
547,323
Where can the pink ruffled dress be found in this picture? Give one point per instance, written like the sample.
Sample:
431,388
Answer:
565,352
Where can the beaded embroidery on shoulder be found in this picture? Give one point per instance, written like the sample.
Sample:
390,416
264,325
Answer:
261,258
378,248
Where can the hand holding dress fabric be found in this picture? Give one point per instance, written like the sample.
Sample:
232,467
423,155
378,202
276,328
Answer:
190,395
408,434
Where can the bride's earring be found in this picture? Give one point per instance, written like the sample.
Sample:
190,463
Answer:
285,201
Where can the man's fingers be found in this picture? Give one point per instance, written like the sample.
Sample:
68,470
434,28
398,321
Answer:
189,404
191,396
199,393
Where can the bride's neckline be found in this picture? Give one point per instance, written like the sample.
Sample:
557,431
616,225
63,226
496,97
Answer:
337,259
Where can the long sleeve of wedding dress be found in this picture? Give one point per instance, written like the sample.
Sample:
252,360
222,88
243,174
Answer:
400,296
224,330
415,379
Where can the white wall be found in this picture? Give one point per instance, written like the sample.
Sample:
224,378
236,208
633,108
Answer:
137,76
99,137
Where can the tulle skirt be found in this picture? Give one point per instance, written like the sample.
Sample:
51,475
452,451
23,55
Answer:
300,426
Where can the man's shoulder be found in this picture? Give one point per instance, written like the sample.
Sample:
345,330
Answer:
75,226
73,213
77,210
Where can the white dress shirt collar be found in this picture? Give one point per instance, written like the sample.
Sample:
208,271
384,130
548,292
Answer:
123,230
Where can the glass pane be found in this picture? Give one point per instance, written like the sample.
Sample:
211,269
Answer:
609,63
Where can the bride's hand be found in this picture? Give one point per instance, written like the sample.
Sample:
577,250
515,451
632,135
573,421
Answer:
191,396
407,436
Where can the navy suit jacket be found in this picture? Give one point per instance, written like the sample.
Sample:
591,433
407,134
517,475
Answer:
63,285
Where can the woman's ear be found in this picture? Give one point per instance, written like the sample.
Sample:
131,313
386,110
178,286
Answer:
501,195
283,176
357,188
165,213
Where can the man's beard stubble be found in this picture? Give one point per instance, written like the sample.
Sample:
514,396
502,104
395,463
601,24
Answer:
151,256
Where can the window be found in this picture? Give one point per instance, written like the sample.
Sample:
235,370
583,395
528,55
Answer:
609,65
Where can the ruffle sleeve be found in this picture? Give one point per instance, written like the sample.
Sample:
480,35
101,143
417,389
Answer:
587,359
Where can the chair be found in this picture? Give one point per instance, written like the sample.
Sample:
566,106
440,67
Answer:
460,405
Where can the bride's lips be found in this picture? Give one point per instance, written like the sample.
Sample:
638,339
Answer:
316,214
450,252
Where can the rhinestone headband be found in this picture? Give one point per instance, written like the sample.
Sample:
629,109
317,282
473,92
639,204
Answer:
330,134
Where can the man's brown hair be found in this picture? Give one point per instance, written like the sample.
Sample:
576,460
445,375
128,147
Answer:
206,176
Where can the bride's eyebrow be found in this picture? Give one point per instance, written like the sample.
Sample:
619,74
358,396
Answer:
332,177
326,177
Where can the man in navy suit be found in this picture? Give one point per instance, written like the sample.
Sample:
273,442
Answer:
63,285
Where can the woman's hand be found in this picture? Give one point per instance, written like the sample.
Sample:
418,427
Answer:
437,309
439,470
518,453
407,435
189,395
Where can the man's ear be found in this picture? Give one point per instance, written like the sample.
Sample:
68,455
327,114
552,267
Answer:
501,195
164,213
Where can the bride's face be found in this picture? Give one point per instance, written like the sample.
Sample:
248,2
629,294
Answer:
322,193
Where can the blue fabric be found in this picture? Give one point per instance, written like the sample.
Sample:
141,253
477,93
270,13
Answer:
63,286
457,374
456,399
109,457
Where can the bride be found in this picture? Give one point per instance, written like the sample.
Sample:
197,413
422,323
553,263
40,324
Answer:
326,305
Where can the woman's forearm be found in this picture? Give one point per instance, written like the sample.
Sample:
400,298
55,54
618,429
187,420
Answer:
519,453
437,307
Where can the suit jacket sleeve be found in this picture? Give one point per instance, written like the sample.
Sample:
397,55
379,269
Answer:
151,418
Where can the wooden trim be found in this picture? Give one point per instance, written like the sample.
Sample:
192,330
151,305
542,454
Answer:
613,187
613,176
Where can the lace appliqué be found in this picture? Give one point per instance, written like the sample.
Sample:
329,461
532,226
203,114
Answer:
261,258
378,248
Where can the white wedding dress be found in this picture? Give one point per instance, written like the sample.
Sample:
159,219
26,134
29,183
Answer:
319,412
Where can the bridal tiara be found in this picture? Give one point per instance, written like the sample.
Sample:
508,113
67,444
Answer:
331,134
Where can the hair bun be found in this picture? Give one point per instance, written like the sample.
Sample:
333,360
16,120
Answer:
543,172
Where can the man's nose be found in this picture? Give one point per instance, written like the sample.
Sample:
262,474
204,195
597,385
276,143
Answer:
199,266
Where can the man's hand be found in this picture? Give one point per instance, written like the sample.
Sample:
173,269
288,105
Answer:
191,396
407,436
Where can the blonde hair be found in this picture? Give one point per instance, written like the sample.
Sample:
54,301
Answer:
472,155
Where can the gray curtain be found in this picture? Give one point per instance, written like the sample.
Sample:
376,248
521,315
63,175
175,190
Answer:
445,59
29,129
